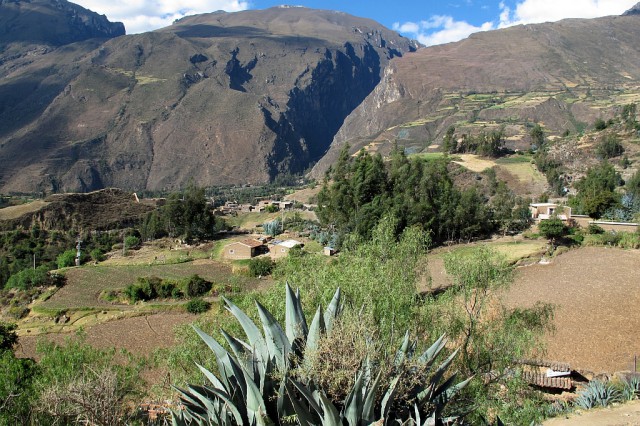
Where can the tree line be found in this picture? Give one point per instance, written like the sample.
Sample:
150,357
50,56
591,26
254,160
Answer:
358,191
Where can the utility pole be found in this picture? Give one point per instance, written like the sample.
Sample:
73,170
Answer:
78,251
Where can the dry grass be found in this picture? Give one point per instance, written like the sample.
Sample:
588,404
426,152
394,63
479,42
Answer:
14,212
474,162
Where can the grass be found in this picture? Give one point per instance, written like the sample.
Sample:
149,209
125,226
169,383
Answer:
85,284
514,159
475,163
525,172
14,212
512,250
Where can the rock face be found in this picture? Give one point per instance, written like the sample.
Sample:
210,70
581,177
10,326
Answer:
220,98
562,75
52,22
635,10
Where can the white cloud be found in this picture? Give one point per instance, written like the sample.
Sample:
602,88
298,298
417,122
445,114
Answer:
145,15
440,29
536,11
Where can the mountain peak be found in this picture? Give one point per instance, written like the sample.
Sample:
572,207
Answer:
635,10
52,22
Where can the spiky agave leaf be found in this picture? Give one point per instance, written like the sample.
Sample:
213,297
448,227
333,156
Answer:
295,321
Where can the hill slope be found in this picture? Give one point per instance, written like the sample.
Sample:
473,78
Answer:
220,98
562,75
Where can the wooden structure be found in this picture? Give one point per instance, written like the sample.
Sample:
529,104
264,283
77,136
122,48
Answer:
245,249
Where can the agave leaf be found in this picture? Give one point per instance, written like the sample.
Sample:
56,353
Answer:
296,323
353,404
444,396
368,410
315,331
313,401
330,416
401,355
278,345
213,379
389,396
256,340
238,347
256,409
439,373
333,310
430,354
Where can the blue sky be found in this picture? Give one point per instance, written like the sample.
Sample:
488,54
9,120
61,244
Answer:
429,21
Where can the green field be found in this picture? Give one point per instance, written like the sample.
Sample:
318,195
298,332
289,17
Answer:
85,284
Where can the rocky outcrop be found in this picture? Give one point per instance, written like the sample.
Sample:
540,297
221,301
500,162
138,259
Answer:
562,75
220,98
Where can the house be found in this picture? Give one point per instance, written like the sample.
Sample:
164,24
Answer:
542,211
245,249
328,251
282,248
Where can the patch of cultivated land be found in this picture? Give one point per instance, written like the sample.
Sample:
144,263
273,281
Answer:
139,335
596,292
14,212
85,284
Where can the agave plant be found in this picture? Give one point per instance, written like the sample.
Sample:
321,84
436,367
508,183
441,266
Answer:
366,404
250,389
597,394
254,387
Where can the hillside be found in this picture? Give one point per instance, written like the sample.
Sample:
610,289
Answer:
562,75
220,98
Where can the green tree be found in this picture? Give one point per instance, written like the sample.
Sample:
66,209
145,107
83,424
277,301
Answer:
537,136
66,259
449,143
596,191
609,147
552,229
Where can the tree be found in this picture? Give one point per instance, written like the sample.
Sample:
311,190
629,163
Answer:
66,259
449,143
8,336
596,191
552,228
609,147
537,137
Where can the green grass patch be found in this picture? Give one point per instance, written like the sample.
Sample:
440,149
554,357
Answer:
514,159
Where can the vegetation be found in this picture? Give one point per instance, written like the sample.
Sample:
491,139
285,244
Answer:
416,192
597,191
197,306
186,214
485,144
609,147
261,266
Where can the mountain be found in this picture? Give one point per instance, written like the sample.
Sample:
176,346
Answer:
562,75
219,98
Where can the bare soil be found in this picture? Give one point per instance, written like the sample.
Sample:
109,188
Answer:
140,335
621,415
596,292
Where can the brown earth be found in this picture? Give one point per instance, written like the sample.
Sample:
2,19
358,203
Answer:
627,414
596,292
140,335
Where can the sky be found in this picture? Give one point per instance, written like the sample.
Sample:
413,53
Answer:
428,21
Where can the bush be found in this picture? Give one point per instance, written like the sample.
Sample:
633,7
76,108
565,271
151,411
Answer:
66,259
595,229
197,286
600,124
165,289
131,241
609,147
134,293
197,306
97,255
29,278
261,266
629,240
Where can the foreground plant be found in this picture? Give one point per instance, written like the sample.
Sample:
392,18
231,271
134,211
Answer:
255,386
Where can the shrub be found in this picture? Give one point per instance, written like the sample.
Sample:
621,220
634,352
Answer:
97,255
629,240
197,306
29,278
165,289
134,293
261,266
595,229
197,286
600,124
609,147
66,259
131,241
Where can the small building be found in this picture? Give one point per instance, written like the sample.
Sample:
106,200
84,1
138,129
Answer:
282,248
542,211
245,249
329,251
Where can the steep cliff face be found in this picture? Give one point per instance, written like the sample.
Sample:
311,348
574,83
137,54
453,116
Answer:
220,98
562,75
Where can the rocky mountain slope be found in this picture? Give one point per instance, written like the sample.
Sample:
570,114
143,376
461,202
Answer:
562,75
220,98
